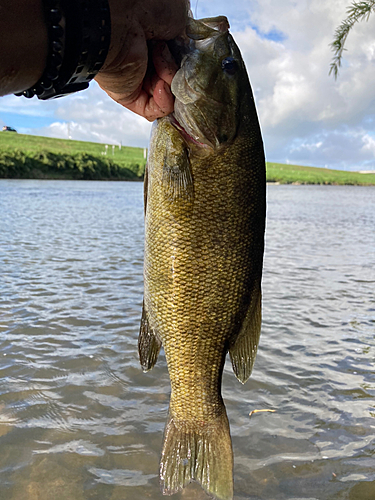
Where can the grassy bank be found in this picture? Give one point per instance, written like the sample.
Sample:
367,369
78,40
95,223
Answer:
28,156
296,174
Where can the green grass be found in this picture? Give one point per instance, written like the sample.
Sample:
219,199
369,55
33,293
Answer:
296,174
29,156
44,157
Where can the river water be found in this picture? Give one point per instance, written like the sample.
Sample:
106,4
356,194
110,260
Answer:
80,420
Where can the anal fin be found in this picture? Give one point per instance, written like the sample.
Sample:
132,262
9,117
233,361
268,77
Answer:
243,351
149,343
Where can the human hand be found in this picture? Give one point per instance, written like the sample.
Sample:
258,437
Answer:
139,67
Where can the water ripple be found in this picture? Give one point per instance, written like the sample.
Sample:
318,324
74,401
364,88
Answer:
78,417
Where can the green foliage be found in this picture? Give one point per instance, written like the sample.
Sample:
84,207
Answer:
295,174
358,11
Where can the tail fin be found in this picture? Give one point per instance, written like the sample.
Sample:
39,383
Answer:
202,453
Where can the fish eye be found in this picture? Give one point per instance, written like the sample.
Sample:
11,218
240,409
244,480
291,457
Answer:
229,65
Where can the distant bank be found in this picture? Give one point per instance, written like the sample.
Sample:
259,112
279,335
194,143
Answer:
296,174
34,157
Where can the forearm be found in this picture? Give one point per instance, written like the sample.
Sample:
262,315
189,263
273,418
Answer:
136,74
23,44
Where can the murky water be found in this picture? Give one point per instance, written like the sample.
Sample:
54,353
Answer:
80,420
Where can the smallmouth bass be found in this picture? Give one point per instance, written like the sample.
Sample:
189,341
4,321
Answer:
205,207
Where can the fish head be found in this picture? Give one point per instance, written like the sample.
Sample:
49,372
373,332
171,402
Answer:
210,84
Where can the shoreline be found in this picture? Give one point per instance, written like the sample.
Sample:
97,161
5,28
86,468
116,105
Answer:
36,157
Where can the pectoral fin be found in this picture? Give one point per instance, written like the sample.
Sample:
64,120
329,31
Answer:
177,178
244,349
149,344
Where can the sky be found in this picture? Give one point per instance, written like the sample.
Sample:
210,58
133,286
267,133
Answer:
307,117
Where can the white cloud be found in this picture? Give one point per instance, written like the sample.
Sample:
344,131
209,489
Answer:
29,107
94,117
368,144
344,148
299,105
312,147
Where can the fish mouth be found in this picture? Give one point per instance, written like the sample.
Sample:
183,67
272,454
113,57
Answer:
182,128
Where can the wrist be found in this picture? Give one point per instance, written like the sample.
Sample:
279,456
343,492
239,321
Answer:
78,42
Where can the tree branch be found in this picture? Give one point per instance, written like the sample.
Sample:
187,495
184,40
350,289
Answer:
358,11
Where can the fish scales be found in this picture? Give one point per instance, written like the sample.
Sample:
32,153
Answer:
204,227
